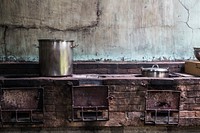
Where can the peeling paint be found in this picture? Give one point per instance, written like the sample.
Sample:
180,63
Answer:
106,30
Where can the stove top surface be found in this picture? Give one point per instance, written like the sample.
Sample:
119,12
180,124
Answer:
95,76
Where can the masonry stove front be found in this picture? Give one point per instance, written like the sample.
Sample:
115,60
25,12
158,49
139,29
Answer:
21,105
162,107
90,103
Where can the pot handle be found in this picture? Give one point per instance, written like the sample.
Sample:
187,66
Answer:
155,66
74,45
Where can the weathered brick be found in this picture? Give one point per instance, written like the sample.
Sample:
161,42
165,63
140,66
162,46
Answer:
122,71
50,115
122,82
194,107
116,95
102,71
197,100
193,87
108,66
127,108
85,71
49,101
54,123
49,89
119,101
183,89
193,94
141,93
116,119
184,106
60,108
132,115
137,100
61,115
134,71
127,101
190,100
126,66
123,94
49,94
127,88
133,119
87,66
111,88
118,108
197,114
38,116
112,71
189,121
187,114
49,108
136,108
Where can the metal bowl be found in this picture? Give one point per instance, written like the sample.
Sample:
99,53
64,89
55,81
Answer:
197,53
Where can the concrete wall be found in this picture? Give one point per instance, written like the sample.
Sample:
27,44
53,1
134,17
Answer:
111,30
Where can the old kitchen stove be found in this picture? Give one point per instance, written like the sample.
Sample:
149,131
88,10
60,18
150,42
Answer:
118,93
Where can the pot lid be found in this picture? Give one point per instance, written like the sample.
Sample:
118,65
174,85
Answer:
155,68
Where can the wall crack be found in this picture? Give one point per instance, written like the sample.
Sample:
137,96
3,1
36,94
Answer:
188,19
73,29
188,12
4,42
82,28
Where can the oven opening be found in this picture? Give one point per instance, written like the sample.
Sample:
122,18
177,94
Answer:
21,116
91,115
161,114
90,103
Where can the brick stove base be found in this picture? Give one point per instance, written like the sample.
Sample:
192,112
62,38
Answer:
126,100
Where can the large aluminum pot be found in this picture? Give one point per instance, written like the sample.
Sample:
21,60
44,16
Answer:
155,71
55,57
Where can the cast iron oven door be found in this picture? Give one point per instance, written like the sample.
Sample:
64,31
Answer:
21,105
162,107
90,103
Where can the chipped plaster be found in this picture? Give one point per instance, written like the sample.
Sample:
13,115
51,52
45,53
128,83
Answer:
132,30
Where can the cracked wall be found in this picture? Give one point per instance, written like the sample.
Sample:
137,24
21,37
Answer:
128,30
